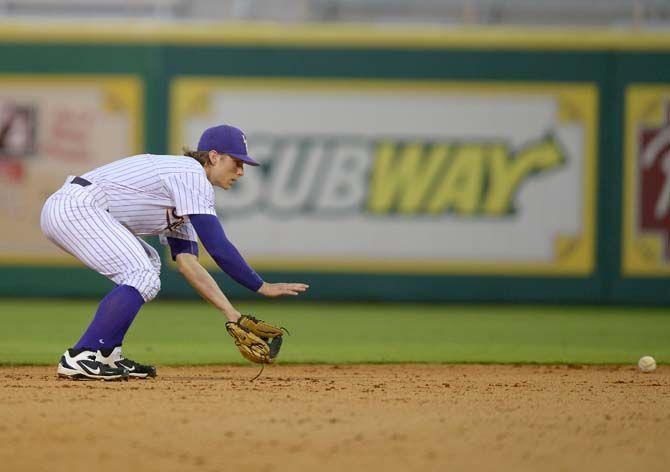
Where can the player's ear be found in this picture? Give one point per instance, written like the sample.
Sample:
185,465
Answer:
212,159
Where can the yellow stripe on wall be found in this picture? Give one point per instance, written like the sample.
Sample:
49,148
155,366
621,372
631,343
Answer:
331,35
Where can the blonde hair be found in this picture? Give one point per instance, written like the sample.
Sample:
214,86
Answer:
201,156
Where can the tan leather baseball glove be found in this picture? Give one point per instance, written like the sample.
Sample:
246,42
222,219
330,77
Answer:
256,340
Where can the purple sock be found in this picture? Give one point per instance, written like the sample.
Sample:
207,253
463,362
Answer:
115,314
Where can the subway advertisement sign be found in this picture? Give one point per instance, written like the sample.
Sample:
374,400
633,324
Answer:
407,177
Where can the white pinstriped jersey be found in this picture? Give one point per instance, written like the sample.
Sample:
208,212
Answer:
150,194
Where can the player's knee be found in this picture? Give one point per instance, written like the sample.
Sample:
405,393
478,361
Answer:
153,288
147,282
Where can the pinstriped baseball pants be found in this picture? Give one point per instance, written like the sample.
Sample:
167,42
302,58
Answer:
75,219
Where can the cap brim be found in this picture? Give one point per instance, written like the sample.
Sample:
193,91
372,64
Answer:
244,158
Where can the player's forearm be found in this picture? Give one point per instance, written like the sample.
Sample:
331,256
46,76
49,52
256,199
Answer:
205,285
224,253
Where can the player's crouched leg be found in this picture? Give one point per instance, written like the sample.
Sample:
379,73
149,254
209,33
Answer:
148,284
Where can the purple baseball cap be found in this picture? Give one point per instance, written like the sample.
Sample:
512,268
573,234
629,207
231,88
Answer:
226,139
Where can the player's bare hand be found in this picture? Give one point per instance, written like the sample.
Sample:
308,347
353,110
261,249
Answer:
279,289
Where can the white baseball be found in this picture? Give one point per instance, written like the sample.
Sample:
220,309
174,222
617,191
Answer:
646,364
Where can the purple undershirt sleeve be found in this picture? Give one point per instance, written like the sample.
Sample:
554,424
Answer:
178,246
223,252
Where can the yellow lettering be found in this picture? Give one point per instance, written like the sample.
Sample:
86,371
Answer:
423,175
467,179
402,177
461,187
507,174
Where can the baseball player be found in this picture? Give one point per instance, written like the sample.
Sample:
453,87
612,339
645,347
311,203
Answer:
99,216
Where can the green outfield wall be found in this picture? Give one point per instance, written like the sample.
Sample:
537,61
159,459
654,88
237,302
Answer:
398,164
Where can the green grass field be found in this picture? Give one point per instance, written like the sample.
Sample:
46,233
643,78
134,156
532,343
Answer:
171,332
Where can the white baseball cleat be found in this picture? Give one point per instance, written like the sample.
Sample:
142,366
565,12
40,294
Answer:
115,359
84,365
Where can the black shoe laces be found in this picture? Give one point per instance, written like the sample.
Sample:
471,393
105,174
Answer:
130,362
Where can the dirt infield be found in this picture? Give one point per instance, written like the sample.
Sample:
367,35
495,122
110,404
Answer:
335,418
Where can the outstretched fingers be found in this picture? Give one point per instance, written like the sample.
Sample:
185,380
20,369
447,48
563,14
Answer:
279,289
292,288
297,287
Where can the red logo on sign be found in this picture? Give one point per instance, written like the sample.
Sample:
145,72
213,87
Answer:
654,180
